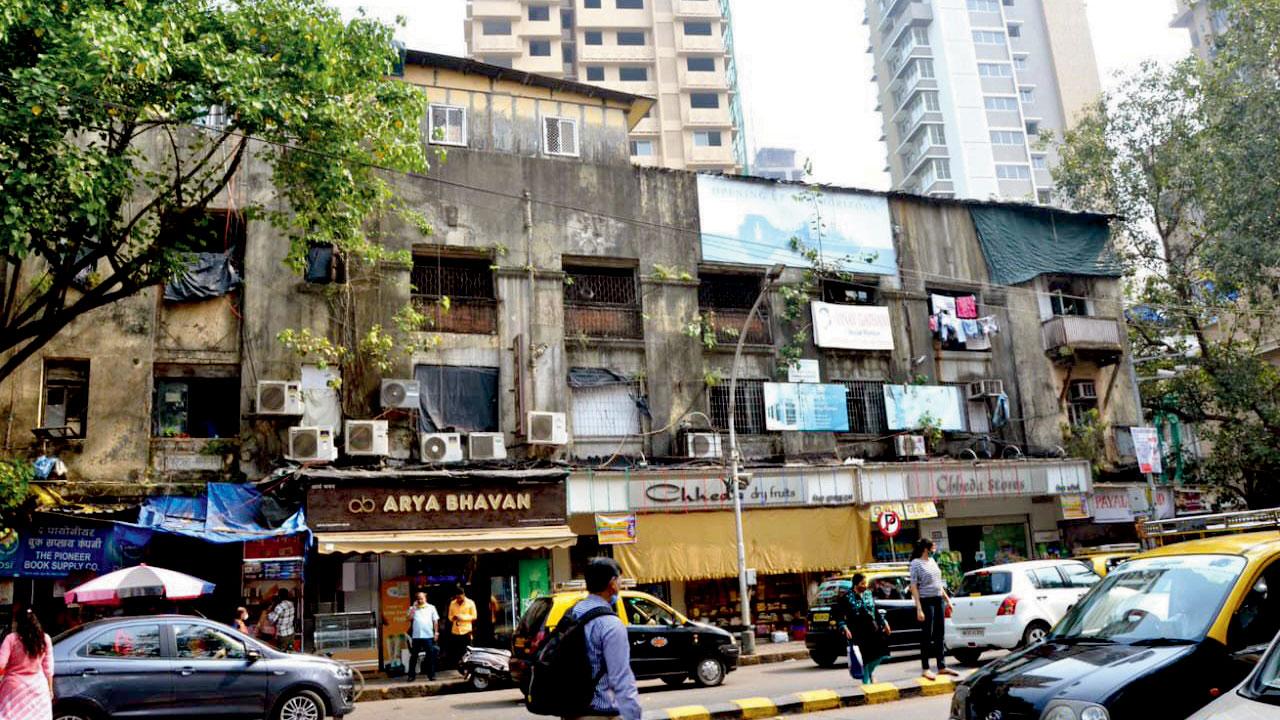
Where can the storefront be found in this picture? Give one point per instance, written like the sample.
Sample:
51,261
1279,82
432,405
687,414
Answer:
381,537
1108,515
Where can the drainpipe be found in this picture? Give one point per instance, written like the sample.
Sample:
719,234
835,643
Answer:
530,353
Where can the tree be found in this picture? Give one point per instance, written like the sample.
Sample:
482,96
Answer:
121,121
1178,154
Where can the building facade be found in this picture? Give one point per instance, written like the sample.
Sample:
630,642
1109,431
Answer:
971,89
1203,23
777,163
679,52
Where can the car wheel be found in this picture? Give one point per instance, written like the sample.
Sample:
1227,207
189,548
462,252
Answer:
74,713
674,680
1034,633
480,682
709,672
968,657
823,660
300,705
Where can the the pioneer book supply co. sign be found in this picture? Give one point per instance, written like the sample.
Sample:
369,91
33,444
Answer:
432,505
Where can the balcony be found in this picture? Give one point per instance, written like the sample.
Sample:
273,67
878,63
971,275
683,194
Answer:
697,8
610,53
496,44
708,117
476,316
542,64
699,43
596,320
495,9
704,155
542,28
716,80
1068,337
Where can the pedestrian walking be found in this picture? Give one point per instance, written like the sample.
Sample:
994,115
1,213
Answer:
462,613
26,659
865,630
282,619
932,603
608,651
424,628
241,621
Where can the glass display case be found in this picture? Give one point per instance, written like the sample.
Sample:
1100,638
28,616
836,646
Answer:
349,636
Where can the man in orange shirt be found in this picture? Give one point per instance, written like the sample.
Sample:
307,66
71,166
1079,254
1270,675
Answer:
462,613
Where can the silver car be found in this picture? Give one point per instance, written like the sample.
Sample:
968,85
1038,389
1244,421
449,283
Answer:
177,666
1257,698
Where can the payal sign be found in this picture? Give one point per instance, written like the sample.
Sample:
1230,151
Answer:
710,492
431,506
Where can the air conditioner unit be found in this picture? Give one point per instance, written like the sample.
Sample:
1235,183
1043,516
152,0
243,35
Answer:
909,445
487,446
401,394
366,437
702,445
279,397
547,428
1083,390
440,447
312,444
985,388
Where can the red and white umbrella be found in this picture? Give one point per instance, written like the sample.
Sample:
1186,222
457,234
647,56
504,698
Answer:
141,581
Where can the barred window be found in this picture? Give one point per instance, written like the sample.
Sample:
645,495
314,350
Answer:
865,400
748,410
560,136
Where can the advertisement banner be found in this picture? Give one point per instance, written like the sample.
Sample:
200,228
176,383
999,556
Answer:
804,371
809,407
747,222
1163,506
56,551
279,546
1111,505
905,405
1146,446
851,327
394,606
920,510
615,528
1074,507
535,581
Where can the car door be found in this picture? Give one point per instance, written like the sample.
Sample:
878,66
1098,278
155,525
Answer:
1052,593
123,668
214,674
893,596
660,643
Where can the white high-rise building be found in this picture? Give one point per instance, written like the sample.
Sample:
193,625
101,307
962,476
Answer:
971,90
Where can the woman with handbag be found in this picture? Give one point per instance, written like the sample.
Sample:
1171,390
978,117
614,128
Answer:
864,628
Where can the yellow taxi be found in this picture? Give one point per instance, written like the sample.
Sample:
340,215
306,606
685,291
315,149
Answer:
664,643
890,583
1161,636
1103,558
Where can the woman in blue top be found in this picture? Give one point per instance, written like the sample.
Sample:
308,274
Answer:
864,627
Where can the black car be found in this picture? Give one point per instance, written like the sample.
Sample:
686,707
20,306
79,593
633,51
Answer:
891,588
177,666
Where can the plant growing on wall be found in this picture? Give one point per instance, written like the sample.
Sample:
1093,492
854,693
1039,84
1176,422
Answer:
1087,440
931,429
16,475
122,122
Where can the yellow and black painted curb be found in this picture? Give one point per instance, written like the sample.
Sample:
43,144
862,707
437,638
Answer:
807,702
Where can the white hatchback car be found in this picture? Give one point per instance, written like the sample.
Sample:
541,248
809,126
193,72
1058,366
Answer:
1009,606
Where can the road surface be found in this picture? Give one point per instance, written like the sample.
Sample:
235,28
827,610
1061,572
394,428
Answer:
929,708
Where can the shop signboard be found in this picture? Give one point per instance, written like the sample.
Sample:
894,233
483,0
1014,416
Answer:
810,407
878,509
431,505
920,510
56,551
851,327
1111,505
675,493
746,222
1162,503
615,528
1189,501
804,370
943,480
1146,446
279,546
907,407
1074,507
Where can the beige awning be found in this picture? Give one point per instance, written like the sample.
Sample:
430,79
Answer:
447,542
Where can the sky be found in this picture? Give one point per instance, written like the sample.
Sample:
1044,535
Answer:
805,75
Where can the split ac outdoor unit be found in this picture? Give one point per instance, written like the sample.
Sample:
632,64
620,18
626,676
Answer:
440,447
980,389
486,446
547,428
1083,390
366,437
312,444
279,397
702,445
909,445
401,394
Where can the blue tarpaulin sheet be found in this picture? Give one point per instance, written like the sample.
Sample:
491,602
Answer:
228,513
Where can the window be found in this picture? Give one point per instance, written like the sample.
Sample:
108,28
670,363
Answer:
1082,402
704,101
697,28
591,4
1067,297
501,61
1080,575
1039,162
630,4
931,101
566,18
641,611
1020,62
595,73
706,138
986,583
936,135
1033,127
495,27
988,6
995,70
865,401
1044,197
566,51
1047,578
748,410
920,35
560,136
540,48
457,398
1258,617
201,642
66,396
942,169
602,302
606,410
726,298
1013,172
631,38
1015,30
847,293
701,64
925,68
1026,95
196,401
1004,104
1007,137
129,641
988,37
467,282
593,37
448,124
642,148
539,13
633,73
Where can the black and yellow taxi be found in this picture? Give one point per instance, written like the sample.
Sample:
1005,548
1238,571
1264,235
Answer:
889,583
1160,637
1103,558
664,643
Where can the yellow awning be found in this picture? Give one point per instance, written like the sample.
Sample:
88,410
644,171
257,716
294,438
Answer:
447,542
702,545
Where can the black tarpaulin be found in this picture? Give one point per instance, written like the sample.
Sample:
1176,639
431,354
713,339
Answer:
205,276
457,399
595,377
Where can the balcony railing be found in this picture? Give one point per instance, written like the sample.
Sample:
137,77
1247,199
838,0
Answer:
1068,335
620,322
728,322
477,316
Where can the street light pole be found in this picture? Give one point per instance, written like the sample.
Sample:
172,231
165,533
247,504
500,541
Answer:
748,635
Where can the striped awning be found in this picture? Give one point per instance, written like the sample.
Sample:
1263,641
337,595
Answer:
447,542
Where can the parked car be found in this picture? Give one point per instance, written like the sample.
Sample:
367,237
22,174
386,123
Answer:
1161,636
664,643
1256,698
176,666
891,586
1014,605
1105,557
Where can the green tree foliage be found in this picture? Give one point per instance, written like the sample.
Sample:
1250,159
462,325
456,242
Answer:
1181,154
111,146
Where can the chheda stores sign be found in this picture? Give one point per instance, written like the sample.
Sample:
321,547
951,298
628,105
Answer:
428,506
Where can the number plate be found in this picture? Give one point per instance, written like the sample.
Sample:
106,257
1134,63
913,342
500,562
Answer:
821,617
973,632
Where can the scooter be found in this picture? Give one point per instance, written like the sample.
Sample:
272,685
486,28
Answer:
482,667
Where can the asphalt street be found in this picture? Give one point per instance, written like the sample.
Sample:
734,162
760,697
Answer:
770,680
927,708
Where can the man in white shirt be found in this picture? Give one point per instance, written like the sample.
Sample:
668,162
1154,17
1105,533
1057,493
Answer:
424,628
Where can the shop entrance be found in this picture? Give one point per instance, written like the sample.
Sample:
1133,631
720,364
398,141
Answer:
993,543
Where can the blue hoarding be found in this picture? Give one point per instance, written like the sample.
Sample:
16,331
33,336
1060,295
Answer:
810,407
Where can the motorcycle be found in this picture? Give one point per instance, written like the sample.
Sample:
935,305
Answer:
482,667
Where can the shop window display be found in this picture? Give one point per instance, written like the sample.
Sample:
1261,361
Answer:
778,603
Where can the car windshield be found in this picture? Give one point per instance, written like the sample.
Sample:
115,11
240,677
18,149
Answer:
1167,599
831,589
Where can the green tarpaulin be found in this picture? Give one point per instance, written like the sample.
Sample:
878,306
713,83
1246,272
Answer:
1021,243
